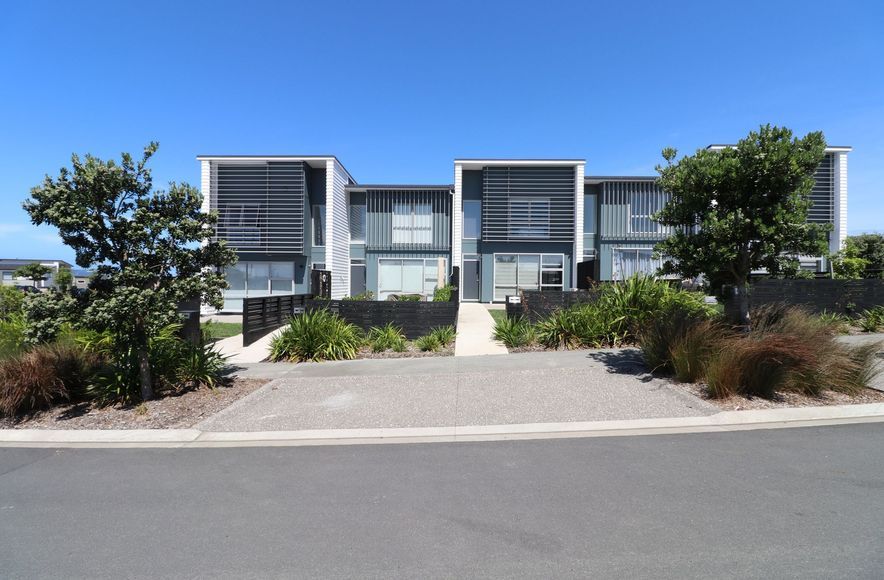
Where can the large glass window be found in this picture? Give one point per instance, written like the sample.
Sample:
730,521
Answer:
472,220
410,276
318,225
412,223
590,213
631,261
529,218
247,279
514,272
642,207
357,222
240,225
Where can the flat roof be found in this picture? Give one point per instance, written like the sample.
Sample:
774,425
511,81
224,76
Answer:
601,178
482,162
367,186
829,148
274,158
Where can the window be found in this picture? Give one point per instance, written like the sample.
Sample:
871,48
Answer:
412,223
410,276
590,219
529,218
472,220
632,261
642,207
318,225
241,224
514,272
282,277
357,223
7,275
257,279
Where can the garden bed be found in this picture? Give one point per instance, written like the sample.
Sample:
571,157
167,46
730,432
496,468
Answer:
180,410
410,351
782,400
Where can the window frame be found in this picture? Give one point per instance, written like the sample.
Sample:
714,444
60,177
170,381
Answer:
472,202
531,231
313,215
364,215
412,227
540,285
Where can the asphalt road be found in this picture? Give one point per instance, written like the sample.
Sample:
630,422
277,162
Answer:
789,503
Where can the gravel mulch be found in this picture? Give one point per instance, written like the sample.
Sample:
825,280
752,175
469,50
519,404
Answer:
784,400
410,351
175,411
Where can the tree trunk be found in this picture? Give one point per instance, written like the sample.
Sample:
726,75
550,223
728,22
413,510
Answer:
144,375
741,295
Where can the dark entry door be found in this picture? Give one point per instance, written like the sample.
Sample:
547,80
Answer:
469,289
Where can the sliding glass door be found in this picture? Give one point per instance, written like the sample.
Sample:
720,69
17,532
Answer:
514,272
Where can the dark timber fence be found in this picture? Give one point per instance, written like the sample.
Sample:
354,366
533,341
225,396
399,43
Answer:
536,305
261,315
414,318
838,296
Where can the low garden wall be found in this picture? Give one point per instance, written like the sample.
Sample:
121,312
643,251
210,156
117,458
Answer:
416,319
537,305
837,296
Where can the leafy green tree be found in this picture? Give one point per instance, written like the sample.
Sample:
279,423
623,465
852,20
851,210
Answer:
64,279
34,272
741,208
868,247
11,300
149,249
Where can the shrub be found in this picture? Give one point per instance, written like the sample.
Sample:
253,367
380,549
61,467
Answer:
405,297
387,337
199,365
316,335
12,336
872,319
444,293
837,323
11,301
44,375
45,313
445,335
514,332
680,338
367,295
585,325
690,354
428,343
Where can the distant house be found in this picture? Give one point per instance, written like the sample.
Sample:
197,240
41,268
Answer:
8,266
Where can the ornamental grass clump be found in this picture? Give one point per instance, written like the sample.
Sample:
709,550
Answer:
444,335
428,343
316,335
515,332
387,337
586,325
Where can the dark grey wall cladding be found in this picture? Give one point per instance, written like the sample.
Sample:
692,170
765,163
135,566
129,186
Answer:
416,319
838,296
510,208
823,193
261,205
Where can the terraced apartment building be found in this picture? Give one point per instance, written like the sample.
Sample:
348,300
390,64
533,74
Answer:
506,224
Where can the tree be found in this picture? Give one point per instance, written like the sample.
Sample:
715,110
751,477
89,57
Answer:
64,279
741,208
867,247
150,249
34,272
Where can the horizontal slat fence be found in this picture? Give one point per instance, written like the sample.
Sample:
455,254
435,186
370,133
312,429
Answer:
263,314
838,296
416,319
537,305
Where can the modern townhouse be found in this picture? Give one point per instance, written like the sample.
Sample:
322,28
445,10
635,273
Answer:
505,224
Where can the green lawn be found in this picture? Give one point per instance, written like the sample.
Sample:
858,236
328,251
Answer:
218,330
497,315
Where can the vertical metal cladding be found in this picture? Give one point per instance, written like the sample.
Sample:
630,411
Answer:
380,204
260,205
528,203
823,193
627,209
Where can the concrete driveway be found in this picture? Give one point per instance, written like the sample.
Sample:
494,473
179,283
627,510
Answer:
538,387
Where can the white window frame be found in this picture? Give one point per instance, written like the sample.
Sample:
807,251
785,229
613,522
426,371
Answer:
464,218
642,209
433,264
540,271
616,274
407,233
528,223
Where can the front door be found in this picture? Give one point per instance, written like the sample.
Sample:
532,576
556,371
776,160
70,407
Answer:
470,279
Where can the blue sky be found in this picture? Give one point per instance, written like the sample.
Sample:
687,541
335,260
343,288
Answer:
398,90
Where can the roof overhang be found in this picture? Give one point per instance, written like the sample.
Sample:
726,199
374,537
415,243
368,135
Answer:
480,163
595,179
399,187
830,149
315,161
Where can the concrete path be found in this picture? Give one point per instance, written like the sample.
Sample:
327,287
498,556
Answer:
474,331
236,353
450,391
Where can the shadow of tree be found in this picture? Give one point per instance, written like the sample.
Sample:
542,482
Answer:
623,362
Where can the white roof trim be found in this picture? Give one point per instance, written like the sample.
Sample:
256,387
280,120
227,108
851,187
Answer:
478,163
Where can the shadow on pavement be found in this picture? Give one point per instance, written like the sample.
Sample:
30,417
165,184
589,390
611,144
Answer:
623,362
